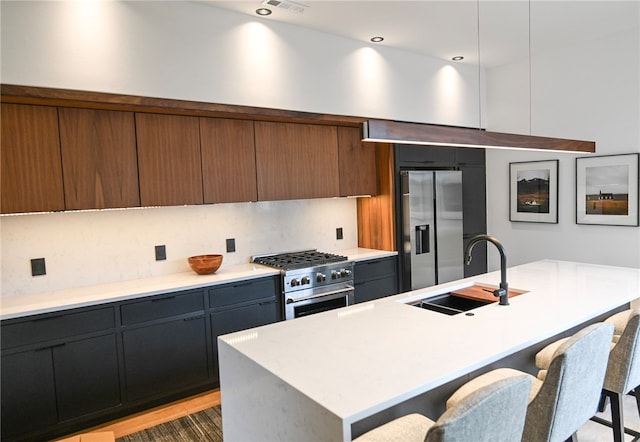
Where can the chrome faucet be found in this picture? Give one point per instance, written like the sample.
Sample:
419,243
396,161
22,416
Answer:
503,291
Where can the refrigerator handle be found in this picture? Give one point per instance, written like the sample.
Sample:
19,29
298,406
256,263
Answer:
422,239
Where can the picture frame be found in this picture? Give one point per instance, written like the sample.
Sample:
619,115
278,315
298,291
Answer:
533,191
607,190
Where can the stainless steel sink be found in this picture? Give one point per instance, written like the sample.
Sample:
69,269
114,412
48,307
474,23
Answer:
449,304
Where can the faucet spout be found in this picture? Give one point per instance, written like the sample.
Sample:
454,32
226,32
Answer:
503,291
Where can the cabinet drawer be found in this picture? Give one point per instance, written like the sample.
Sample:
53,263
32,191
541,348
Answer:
375,289
242,318
56,326
162,306
365,270
242,292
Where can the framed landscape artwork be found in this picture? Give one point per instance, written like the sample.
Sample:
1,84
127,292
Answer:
533,191
607,190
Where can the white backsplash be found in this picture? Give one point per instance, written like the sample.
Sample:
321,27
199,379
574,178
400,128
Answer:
89,248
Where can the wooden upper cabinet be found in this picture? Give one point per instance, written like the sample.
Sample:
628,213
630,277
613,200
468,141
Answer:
30,157
357,163
228,160
296,161
99,159
169,160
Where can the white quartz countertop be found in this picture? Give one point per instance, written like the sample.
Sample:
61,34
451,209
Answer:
361,359
46,302
361,254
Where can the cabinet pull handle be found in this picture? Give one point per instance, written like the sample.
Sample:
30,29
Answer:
50,347
48,318
168,298
268,302
193,318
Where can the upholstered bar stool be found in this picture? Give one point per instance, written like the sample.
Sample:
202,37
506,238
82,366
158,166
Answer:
543,357
623,369
493,413
619,321
569,395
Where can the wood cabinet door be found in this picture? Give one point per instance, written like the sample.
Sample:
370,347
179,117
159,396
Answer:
99,159
228,160
30,157
357,163
169,160
296,161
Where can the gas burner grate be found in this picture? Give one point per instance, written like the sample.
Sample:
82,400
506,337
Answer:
298,260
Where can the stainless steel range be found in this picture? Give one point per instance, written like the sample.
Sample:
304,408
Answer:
312,281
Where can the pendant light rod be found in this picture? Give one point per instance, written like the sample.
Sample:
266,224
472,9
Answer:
530,87
479,67
384,131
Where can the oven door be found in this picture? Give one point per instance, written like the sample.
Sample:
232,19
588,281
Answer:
307,302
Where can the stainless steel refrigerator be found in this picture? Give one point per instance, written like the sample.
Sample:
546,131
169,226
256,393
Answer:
432,227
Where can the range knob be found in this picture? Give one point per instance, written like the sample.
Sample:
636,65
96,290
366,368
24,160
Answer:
335,274
345,272
294,282
321,277
306,280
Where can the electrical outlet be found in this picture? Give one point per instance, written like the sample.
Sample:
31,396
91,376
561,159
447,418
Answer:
339,233
161,253
231,245
38,267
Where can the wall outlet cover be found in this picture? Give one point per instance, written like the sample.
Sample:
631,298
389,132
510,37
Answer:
38,267
161,253
339,234
231,245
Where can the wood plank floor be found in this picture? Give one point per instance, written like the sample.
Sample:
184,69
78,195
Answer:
159,415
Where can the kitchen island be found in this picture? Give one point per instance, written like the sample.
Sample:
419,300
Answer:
327,376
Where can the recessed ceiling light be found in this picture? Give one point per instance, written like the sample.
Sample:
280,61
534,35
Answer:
263,11
457,58
377,39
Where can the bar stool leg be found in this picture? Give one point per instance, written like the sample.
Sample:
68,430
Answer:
634,392
602,405
573,438
617,419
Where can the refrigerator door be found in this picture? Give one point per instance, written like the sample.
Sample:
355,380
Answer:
419,228
448,213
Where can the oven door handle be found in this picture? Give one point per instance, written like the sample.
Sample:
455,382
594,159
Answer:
347,288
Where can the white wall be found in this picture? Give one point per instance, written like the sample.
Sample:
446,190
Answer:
184,50
588,92
195,52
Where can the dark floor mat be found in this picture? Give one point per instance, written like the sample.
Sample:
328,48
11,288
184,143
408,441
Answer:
205,425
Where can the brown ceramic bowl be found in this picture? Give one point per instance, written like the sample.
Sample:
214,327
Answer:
205,264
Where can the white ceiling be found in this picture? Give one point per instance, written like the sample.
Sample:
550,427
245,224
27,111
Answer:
509,29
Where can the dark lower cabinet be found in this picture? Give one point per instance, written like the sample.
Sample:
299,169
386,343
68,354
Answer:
241,306
46,386
164,340
66,371
375,278
165,358
241,318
